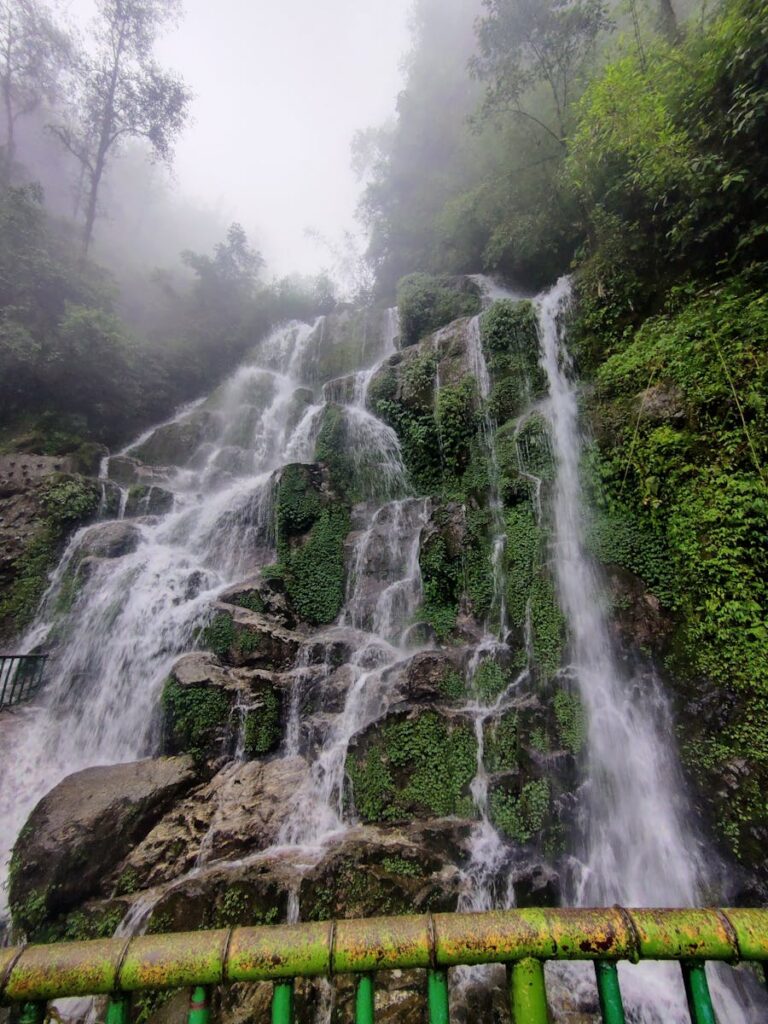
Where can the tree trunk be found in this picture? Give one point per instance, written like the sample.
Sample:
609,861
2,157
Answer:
668,24
90,209
10,139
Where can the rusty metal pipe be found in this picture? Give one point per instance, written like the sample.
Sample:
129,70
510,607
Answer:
279,952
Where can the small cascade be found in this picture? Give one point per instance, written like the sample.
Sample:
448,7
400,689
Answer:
384,592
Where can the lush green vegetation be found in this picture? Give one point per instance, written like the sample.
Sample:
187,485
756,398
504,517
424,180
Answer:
311,528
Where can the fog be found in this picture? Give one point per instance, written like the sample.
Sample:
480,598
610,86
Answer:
279,91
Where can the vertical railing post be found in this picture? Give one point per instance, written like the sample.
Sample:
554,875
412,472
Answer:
364,1000
609,992
282,1002
118,1009
697,992
527,992
437,997
199,1006
32,1013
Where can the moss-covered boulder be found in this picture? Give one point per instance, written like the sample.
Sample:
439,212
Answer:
174,444
391,768
426,302
148,500
312,523
241,637
84,826
210,709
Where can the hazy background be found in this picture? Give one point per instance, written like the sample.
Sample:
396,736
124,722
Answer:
279,91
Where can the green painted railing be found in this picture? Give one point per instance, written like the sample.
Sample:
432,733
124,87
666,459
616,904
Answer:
521,939
21,676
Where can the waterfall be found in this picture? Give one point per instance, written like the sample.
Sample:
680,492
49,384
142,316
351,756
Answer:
133,615
639,848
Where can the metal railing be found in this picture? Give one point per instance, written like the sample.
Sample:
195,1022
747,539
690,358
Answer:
521,939
21,676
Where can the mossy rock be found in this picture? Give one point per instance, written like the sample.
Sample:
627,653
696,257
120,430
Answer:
312,524
392,768
426,302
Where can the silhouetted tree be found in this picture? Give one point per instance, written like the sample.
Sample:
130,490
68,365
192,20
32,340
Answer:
122,93
32,50
527,42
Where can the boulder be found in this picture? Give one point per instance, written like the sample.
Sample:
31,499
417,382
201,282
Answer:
85,826
110,540
148,500
257,594
242,637
174,444
212,710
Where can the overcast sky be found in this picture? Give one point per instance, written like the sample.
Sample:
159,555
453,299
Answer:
280,89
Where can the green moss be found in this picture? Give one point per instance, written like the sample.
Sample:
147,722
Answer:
219,635
262,727
457,425
195,716
401,866
30,914
426,303
453,685
310,544
548,626
489,681
314,573
441,585
251,601
502,744
331,449
67,503
127,883
571,723
524,541
102,924
396,776
523,816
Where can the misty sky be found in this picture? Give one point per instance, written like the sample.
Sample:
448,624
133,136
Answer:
280,88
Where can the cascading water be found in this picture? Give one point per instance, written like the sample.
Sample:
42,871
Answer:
131,616
638,846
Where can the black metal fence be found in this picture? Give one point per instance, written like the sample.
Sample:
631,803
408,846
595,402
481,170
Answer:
21,676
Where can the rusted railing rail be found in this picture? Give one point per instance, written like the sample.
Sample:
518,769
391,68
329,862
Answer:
21,676
521,939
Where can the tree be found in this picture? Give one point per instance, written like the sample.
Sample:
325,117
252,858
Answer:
527,42
122,93
32,50
667,20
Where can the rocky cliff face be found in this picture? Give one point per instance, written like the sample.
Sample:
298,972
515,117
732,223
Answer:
344,718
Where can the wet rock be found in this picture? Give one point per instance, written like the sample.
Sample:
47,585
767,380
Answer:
110,540
257,594
433,676
148,500
251,638
83,827
661,403
378,871
210,709
175,443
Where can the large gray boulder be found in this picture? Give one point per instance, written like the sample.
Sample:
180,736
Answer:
85,826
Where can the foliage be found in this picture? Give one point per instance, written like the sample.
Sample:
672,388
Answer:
195,716
490,680
426,303
571,725
440,575
521,817
219,635
262,726
396,774
67,502
502,743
